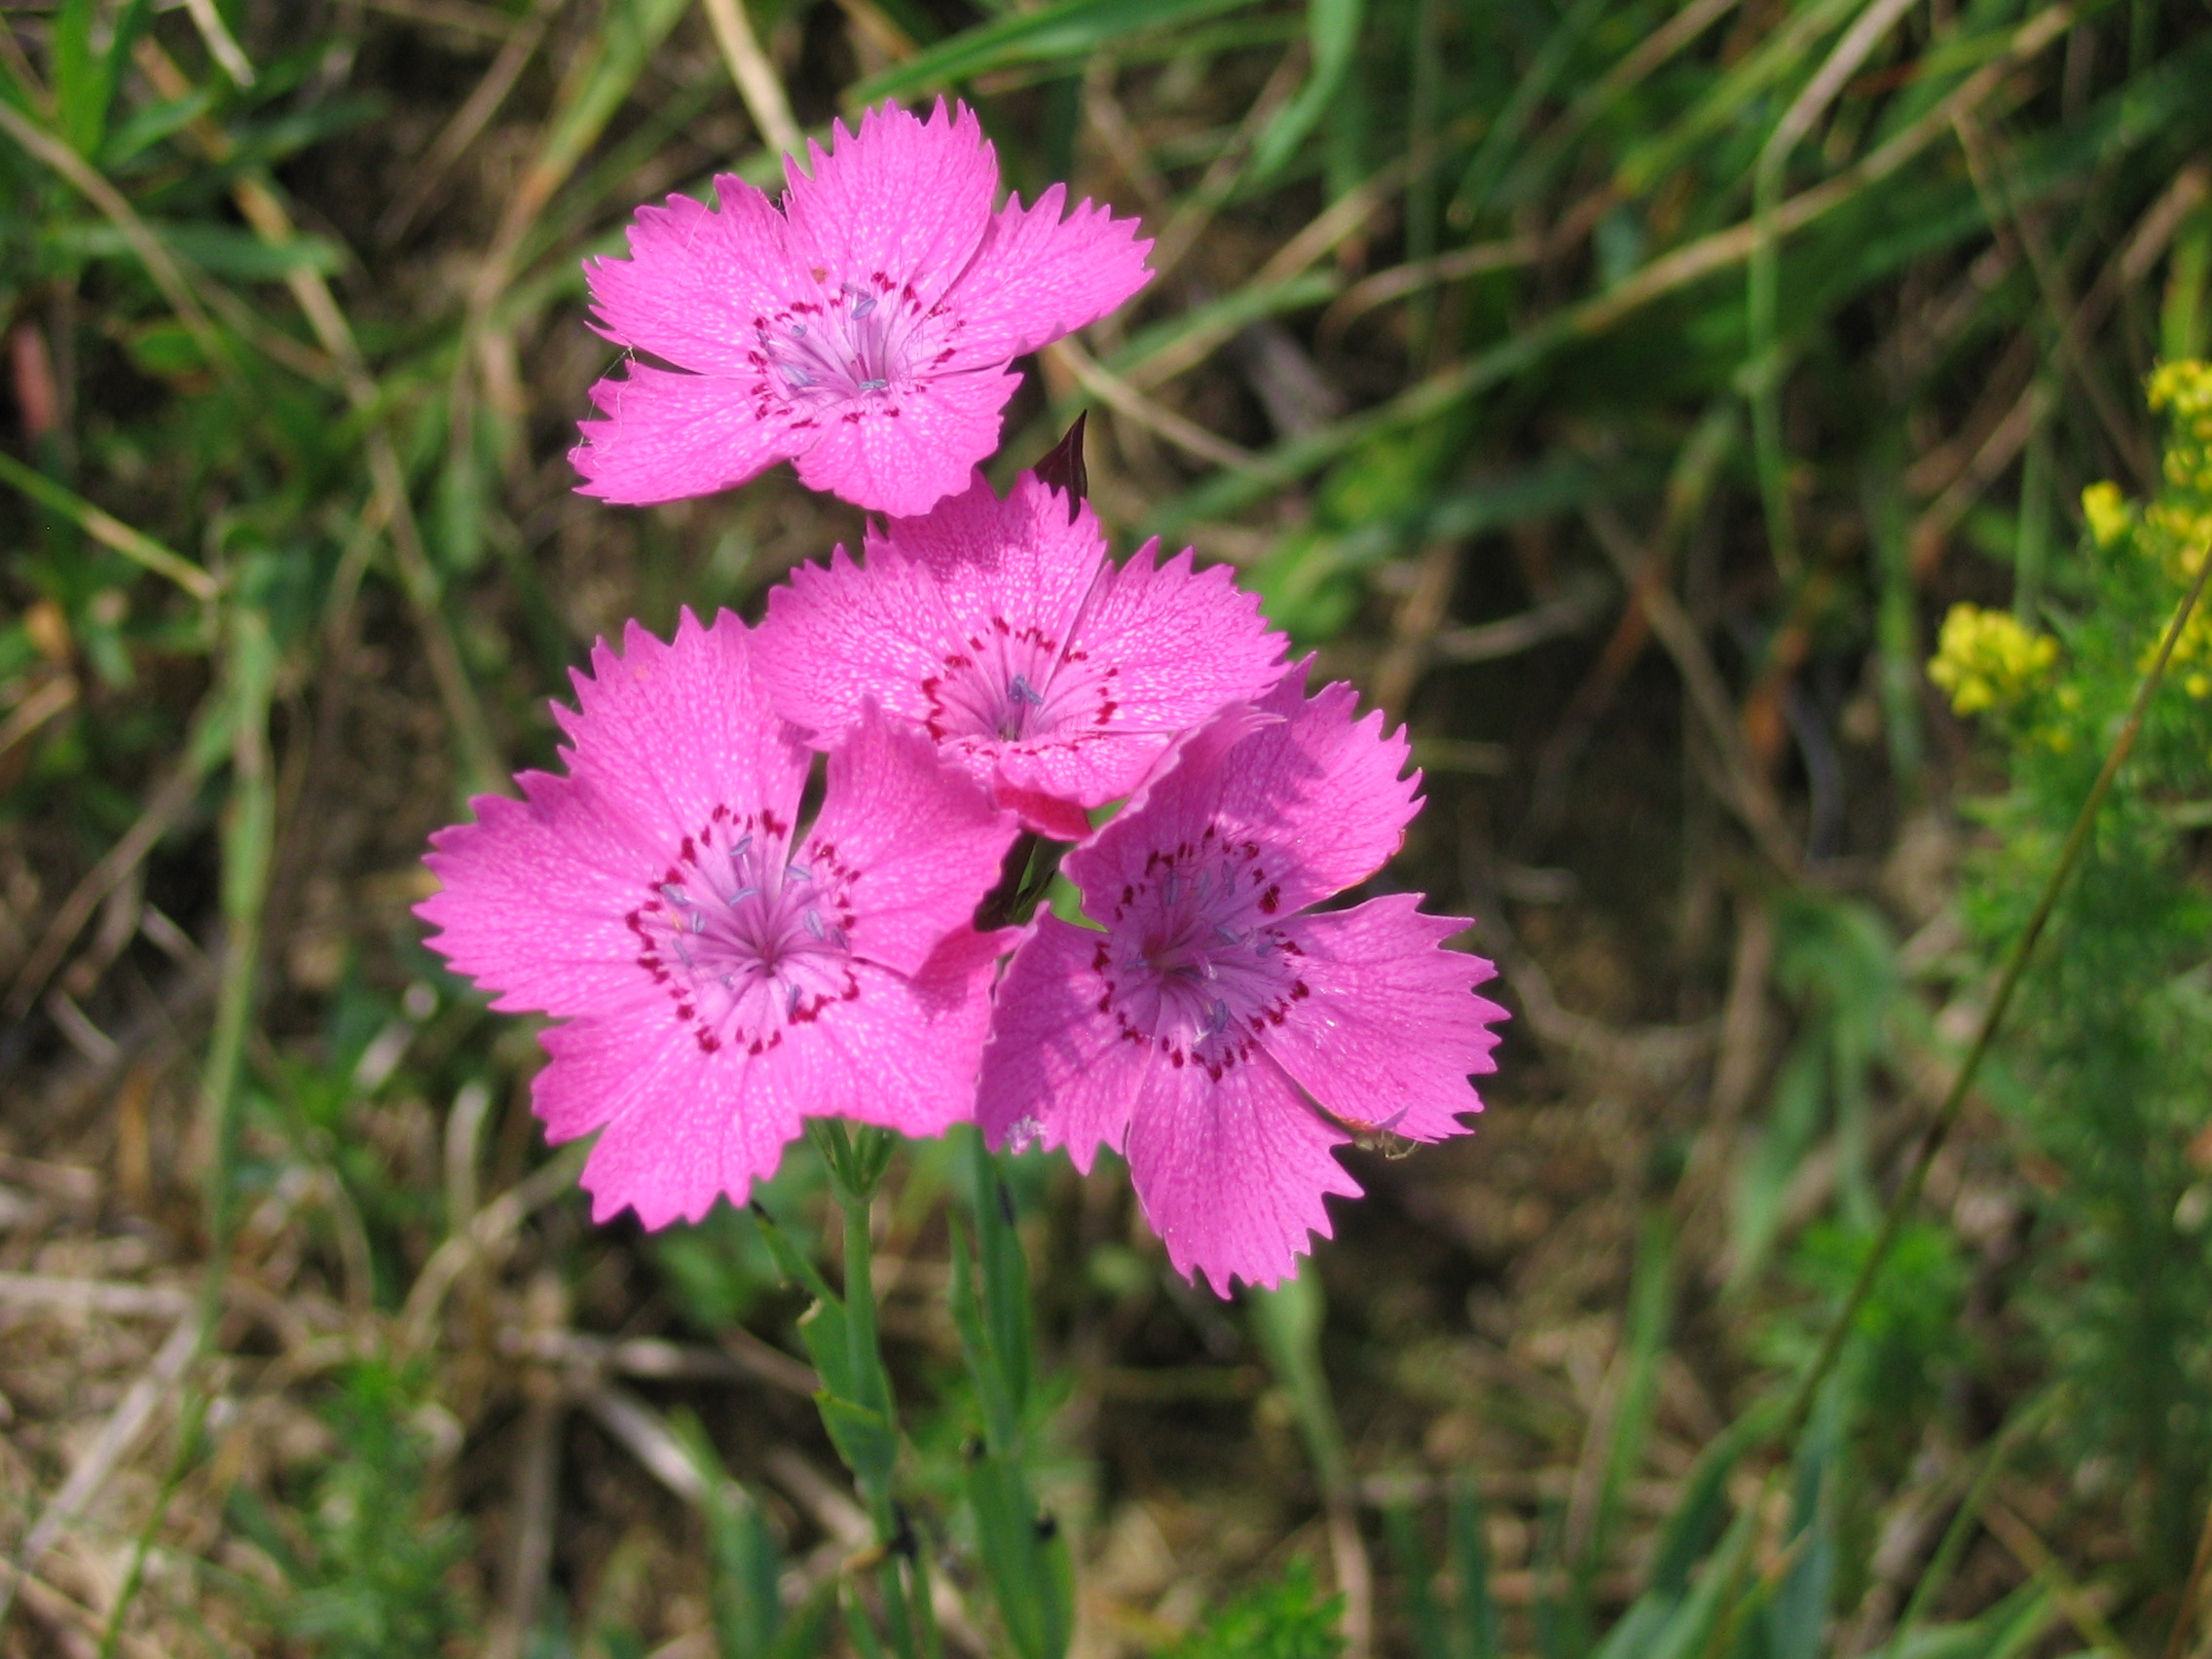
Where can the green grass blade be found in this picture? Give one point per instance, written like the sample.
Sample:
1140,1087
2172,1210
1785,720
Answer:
1054,34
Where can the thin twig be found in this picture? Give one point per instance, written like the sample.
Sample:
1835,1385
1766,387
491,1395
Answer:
1124,399
222,45
2027,1548
55,697
89,182
130,1419
468,122
163,810
1741,786
133,545
757,82
2185,1616
488,1231
92,1296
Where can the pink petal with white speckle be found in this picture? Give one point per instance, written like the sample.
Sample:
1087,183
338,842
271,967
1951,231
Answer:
1391,1031
928,839
668,437
535,894
903,199
863,331
1038,277
1233,1041
1232,1172
909,446
727,977
1030,658
697,277
1316,792
667,733
1057,1069
679,1127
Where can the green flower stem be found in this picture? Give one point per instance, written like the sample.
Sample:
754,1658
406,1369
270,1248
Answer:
856,1160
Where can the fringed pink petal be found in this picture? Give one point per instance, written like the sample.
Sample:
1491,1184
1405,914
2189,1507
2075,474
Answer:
1232,1172
1038,277
904,451
682,1128
926,839
1315,787
667,436
1024,560
699,280
663,734
1057,1069
533,895
835,638
903,197
904,1056
1392,1029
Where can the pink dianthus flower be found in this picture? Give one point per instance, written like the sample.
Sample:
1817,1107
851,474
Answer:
721,973
1218,1032
864,331
1007,633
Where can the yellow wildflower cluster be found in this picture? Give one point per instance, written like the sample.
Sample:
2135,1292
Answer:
2184,390
2106,511
1984,660
2192,662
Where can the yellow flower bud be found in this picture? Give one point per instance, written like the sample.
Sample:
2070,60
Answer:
2106,509
1985,659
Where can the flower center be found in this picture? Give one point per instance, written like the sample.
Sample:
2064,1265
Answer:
1190,964
743,938
1015,684
855,340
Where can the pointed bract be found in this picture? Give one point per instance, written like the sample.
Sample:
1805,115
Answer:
724,975
1224,1040
1003,629
863,330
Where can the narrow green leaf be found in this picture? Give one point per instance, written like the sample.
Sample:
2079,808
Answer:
1070,29
81,84
1289,1319
1332,33
1418,1573
1474,1606
794,1264
221,250
864,1439
1000,1422
1005,1270
1650,1300
741,1553
1031,1575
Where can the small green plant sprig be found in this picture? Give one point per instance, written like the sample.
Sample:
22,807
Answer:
2108,1060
